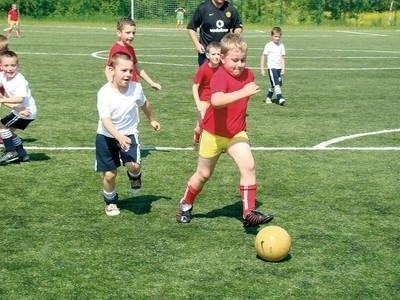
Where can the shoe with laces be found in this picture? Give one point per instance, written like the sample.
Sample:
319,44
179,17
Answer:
255,218
183,216
268,101
112,210
135,183
8,157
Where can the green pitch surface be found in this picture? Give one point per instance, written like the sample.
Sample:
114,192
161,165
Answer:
327,167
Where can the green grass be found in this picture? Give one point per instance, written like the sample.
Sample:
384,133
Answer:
341,208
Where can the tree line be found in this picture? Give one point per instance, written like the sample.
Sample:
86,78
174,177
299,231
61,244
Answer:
254,11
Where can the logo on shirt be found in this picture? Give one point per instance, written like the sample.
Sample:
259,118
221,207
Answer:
220,27
228,14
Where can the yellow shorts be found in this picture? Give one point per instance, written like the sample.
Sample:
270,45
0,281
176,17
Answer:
212,145
13,23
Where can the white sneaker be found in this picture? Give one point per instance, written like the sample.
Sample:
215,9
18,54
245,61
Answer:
282,101
112,210
268,101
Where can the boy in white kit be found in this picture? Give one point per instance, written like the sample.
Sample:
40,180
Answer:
18,97
274,52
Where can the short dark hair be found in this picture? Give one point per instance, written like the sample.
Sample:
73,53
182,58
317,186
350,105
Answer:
118,55
125,21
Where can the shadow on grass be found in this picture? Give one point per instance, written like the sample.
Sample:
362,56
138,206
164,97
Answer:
231,211
38,156
140,205
287,258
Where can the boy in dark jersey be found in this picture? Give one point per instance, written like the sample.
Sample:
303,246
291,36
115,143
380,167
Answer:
224,130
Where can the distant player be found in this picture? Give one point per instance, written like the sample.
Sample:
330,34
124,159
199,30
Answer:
201,86
13,21
274,52
180,15
117,139
224,130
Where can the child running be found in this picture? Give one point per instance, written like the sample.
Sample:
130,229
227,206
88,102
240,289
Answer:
201,86
117,139
18,97
126,30
224,129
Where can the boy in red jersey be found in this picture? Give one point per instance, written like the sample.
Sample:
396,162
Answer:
224,130
201,86
13,21
126,30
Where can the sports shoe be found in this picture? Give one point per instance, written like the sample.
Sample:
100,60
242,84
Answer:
112,210
26,158
268,101
256,218
282,101
8,157
183,216
135,182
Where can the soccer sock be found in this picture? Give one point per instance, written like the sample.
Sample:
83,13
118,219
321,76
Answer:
134,175
278,92
248,194
6,135
270,93
110,197
189,197
18,146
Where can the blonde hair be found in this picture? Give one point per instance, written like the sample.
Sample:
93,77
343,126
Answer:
232,41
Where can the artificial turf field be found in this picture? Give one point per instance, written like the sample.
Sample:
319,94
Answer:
328,168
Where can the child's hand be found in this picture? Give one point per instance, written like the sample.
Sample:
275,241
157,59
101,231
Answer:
125,142
251,88
156,126
156,86
23,112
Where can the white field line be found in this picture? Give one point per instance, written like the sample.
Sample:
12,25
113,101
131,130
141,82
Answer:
360,33
325,144
320,147
149,148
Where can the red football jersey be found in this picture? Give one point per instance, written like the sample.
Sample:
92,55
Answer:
229,120
203,77
124,49
13,14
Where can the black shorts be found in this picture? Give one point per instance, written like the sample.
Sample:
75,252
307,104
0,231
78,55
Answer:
14,121
110,156
275,77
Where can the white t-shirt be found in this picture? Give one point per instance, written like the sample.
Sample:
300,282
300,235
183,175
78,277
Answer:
121,108
274,53
18,86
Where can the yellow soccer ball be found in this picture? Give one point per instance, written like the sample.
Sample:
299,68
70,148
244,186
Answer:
273,243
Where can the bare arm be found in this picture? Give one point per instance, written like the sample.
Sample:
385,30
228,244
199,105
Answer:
283,65
147,78
193,36
124,141
262,64
146,108
221,99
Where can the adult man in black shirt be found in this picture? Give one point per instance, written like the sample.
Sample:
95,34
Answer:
215,18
